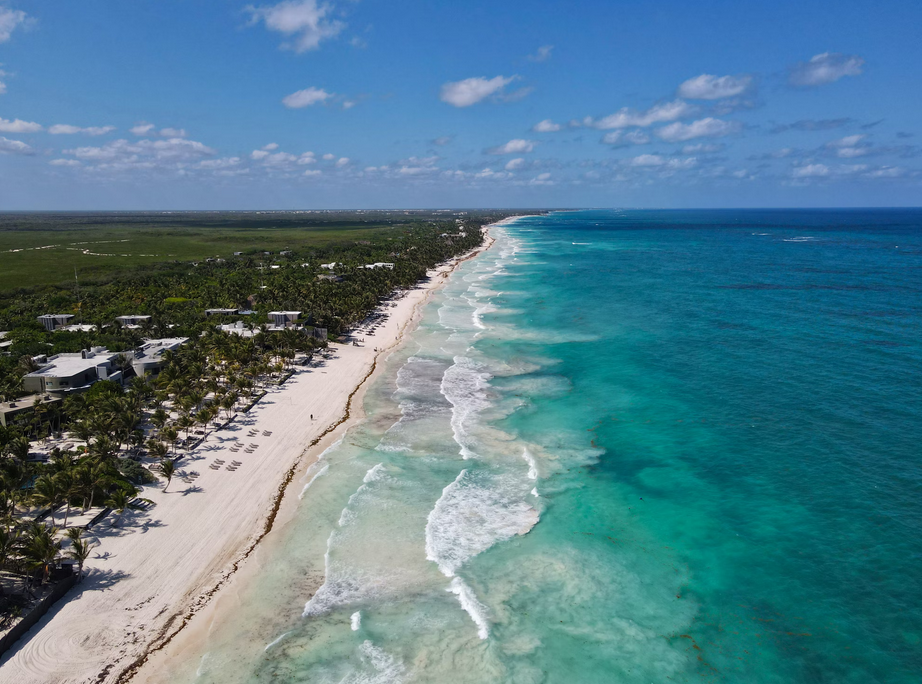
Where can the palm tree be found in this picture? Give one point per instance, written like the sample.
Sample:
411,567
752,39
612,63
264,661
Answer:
80,551
167,467
47,492
120,500
40,548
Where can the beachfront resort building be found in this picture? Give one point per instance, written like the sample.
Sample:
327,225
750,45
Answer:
149,357
380,264
68,373
21,410
283,319
132,322
220,312
54,321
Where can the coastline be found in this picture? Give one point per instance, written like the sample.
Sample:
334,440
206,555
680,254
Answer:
150,588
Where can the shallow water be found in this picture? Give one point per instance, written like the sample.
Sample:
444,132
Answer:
623,447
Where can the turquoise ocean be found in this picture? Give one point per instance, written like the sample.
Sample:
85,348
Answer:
622,446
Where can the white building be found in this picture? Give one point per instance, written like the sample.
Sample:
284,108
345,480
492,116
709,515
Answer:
380,264
66,373
132,322
283,319
54,321
149,357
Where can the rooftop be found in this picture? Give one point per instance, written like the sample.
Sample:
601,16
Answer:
67,365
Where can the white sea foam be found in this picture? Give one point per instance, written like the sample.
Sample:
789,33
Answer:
380,667
356,620
532,464
275,641
473,607
464,385
307,486
475,512
534,492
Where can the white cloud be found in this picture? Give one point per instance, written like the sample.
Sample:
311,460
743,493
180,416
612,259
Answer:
847,141
9,20
709,87
306,98
443,140
306,21
341,162
223,163
2,84
472,90
703,128
546,126
619,137
142,128
517,146
329,157
887,172
541,179
702,148
173,132
8,146
18,126
648,160
827,67
629,118
65,162
811,171
121,155
312,172
270,147
542,55
515,164
65,129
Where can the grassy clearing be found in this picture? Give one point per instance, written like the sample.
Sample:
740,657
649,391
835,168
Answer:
40,249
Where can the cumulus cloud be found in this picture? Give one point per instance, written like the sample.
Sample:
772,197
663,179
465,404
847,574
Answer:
703,128
18,126
546,126
123,155
709,87
306,22
703,148
2,84
827,67
306,98
9,20
8,146
312,172
517,146
657,160
329,157
541,179
630,118
173,132
341,162
648,160
219,164
621,138
542,55
811,171
65,162
65,129
443,140
515,164
470,91
270,158
142,128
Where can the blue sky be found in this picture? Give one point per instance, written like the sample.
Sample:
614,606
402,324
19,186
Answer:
171,104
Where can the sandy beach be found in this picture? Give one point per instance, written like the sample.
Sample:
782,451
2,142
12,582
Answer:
153,579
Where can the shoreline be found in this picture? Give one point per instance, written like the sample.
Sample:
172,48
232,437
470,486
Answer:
101,631
189,641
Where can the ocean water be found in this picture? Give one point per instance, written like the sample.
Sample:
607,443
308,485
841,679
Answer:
623,447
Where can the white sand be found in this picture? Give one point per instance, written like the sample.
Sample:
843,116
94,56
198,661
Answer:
150,575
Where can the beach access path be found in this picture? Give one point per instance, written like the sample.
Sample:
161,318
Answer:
150,574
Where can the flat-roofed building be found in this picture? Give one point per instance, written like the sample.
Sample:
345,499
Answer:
20,410
54,321
67,373
132,322
283,319
220,312
149,357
